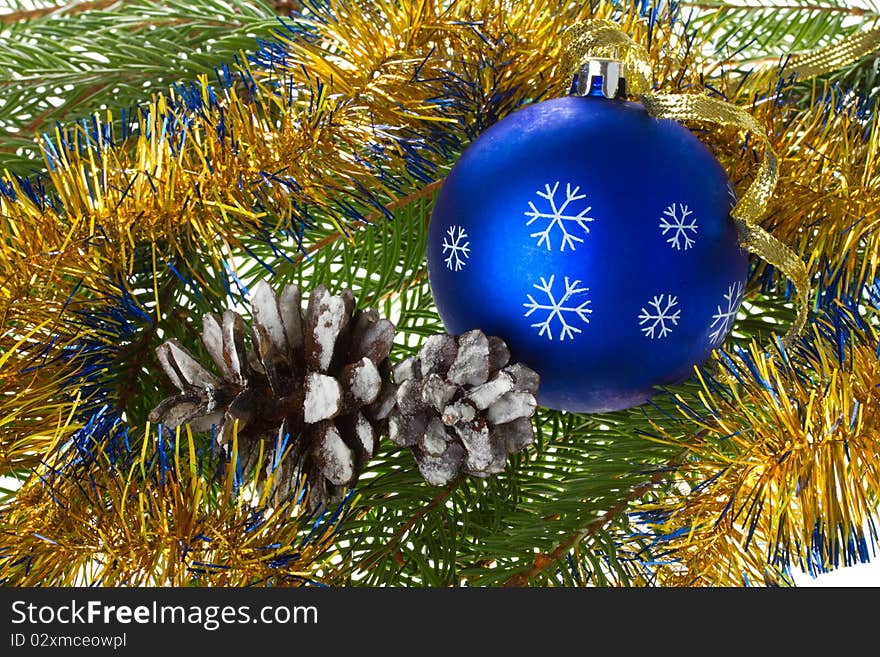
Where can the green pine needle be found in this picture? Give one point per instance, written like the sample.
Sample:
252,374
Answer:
64,65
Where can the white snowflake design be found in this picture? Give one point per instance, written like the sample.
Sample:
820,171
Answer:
675,220
558,309
458,248
661,317
722,320
558,217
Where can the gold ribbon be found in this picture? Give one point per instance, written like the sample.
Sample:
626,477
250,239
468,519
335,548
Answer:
753,203
601,38
836,56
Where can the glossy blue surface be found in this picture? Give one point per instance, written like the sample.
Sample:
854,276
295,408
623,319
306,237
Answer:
597,351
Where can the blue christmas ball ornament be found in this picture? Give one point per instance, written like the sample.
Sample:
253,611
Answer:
597,241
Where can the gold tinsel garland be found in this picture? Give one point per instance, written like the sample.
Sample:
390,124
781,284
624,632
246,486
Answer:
181,200
145,523
791,454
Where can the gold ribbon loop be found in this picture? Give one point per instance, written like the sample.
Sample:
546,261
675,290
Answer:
697,107
602,38
753,204
597,38
758,241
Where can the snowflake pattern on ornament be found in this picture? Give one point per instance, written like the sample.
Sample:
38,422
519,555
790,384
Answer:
722,320
558,216
558,309
661,317
677,222
458,249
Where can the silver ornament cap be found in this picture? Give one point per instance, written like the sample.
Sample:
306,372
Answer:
600,77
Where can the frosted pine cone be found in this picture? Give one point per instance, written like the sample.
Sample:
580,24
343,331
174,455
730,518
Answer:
462,407
307,382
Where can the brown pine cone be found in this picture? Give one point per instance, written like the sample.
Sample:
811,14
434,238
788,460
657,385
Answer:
462,407
306,383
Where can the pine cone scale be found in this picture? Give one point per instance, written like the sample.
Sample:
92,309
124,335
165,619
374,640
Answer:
490,392
475,438
212,338
267,320
436,392
289,306
361,383
433,440
334,458
372,337
511,406
516,435
440,470
438,353
471,364
323,398
184,370
179,410
324,321
234,352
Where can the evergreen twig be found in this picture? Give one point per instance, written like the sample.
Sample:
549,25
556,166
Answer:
544,561
23,15
762,6
64,63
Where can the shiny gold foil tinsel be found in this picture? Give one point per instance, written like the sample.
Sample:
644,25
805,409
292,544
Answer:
150,199
157,520
786,464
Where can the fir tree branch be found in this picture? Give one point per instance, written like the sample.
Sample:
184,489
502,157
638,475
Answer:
423,192
23,15
763,6
141,351
544,561
72,61
396,546
391,546
156,515
745,32
487,532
